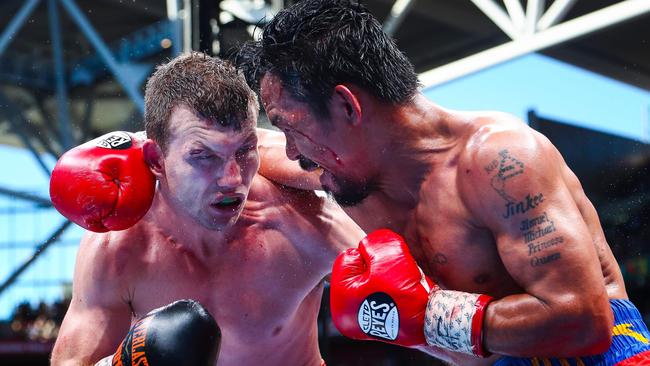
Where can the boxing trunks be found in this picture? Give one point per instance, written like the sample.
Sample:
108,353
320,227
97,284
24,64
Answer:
630,344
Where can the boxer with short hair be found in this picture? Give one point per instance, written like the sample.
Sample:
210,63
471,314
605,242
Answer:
251,252
517,270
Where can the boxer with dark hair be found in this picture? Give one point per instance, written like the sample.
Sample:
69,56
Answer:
251,252
518,271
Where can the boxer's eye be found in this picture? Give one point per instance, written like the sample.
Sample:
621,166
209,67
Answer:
200,155
245,150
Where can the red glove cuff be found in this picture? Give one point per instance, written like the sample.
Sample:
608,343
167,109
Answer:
478,347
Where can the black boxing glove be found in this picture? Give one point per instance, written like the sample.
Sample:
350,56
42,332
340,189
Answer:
182,333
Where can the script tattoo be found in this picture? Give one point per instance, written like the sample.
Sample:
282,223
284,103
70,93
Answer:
539,261
537,228
508,167
529,203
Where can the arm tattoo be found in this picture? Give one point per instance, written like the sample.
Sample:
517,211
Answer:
535,231
507,166
540,261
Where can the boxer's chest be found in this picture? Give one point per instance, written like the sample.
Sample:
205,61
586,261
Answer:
252,292
451,249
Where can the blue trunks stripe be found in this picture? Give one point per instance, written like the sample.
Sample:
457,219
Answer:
630,336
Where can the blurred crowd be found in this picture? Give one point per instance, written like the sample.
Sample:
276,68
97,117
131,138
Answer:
40,323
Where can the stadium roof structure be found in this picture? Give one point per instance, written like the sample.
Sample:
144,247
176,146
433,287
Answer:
96,54
71,70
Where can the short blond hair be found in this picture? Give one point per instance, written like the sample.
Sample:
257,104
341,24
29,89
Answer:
210,86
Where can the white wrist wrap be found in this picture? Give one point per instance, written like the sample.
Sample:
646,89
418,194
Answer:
106,361
454,321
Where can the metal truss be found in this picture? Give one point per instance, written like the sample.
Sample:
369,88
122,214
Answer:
55,76
53,238
532,30
38,200
127,52
30,71
121,59
397,14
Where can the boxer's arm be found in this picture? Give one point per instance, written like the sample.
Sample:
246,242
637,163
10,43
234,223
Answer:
97,318
275,166
317,226
512,182
336,232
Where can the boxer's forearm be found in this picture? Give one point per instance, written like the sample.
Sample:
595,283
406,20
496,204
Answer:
66,358
276,166
338,229
524,326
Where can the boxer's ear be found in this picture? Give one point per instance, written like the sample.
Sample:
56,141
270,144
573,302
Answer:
347,100
154,157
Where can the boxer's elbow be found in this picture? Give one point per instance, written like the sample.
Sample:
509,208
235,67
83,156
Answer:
598,333
593,328
65,353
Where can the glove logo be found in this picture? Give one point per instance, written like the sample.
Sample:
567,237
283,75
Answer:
378,316
114,140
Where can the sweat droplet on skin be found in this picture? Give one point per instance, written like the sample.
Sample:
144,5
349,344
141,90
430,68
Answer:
321,147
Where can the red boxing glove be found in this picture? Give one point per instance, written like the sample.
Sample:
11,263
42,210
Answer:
103,184
378,292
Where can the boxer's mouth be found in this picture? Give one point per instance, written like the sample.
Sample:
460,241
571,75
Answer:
229,202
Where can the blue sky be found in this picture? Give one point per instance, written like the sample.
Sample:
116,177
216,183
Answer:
552,88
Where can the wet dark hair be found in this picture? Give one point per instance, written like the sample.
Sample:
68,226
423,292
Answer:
211,87
316,44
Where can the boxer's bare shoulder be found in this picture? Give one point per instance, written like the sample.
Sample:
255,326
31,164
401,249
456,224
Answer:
98,315
103,261
450,243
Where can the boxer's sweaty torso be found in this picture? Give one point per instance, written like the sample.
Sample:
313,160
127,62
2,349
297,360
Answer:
260,287
458,252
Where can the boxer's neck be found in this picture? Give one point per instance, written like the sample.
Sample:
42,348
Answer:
414,139
185,232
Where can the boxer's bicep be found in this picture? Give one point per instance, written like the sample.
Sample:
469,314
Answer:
541,236
88,334
276,166
97,317
517,192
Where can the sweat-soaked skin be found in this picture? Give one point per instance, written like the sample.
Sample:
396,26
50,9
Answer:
486,204
258,269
